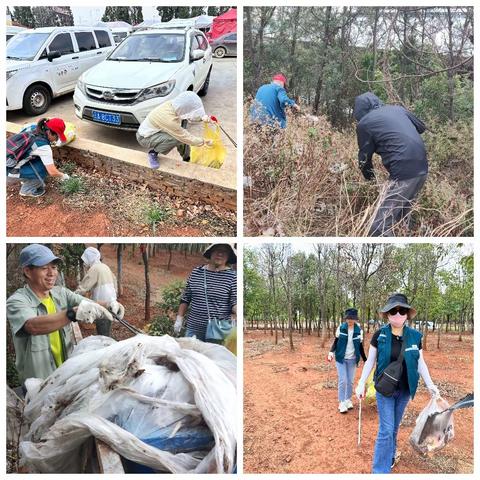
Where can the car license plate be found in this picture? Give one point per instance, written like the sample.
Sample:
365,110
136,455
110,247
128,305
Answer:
104,117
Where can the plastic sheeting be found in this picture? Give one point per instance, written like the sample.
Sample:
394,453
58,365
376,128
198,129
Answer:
432,433
164,403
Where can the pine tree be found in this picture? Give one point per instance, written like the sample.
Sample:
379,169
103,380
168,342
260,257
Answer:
167,13
123,14
136,15
24,16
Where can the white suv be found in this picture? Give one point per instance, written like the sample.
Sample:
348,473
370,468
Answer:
46,62
148,68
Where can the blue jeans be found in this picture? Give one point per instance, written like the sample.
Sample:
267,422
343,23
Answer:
390,413
346,375
31,185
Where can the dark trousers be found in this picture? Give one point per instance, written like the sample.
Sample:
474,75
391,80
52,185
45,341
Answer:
395,205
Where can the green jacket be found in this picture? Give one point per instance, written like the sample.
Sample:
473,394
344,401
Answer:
33,354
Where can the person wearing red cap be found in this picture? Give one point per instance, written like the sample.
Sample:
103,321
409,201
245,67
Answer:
270,103
36,161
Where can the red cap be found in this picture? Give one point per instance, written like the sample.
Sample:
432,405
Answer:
57,125
281,77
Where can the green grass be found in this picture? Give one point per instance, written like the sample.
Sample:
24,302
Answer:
69,168
73,185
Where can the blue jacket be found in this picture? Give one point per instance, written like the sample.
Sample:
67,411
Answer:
269,105
343,340
411,355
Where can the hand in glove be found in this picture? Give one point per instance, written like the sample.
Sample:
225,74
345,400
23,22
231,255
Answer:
65,176
178,325
209,119
360,391
434,392
208,143
117,309
89,311
330,356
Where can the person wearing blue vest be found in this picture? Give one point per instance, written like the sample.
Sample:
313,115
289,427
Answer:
385,347
36,161
347,349
270,103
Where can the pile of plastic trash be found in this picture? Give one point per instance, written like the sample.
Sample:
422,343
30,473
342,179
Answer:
162,403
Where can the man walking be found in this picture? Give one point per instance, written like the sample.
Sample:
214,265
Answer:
392,132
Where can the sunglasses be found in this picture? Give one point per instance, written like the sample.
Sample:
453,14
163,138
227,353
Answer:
400,310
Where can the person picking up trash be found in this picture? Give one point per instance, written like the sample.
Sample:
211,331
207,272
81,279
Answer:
40,315
392,132
101,282
30,156
347,348
211,295
270,103
396,350
164,128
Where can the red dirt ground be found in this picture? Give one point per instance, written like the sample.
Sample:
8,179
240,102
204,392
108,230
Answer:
291,421
134,283
50,216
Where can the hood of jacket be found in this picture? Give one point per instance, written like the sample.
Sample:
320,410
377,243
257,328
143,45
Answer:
364,103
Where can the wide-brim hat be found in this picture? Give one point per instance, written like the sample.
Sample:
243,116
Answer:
351,313
232,257
397,300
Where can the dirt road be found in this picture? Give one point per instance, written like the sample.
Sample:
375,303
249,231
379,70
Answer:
219,101
291,422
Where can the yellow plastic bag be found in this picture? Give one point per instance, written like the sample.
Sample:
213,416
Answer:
231,341
370,397
213,156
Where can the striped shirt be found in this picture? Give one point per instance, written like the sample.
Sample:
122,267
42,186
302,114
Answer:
221,294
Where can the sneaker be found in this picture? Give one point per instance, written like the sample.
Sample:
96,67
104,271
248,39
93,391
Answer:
349,404
395,459
36,193
342,407
153,159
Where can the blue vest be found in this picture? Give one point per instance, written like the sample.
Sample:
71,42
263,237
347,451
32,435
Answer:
411,355
343,340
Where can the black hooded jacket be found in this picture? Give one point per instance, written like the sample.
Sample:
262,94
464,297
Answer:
393,133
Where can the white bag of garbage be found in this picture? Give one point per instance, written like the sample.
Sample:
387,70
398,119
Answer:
433,428
157,401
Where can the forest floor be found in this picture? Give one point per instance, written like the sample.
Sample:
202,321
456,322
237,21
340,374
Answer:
133,297
110,207
291,421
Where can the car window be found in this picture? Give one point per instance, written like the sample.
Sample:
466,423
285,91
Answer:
154,47
85,41
103,39
62,43
194,44
231,37
202,42
25,46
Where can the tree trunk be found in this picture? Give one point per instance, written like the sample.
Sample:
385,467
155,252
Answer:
144,251
119,269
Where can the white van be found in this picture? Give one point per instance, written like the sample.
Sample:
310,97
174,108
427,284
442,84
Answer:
44,63
147,69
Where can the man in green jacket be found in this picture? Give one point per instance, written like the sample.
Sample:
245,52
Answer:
41,314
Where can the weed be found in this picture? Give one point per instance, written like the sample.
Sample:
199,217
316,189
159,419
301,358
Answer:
69,168
156,214
73,185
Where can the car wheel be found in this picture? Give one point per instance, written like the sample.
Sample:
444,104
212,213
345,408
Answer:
203,91
36,100
220,52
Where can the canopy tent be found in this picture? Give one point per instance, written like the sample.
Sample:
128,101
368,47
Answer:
223,24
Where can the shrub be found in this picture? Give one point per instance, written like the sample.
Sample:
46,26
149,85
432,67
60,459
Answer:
161,325
171,297
73,185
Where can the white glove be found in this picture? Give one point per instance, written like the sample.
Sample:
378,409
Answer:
205,118
89,311
178,325
360,390
117,309
330,356
434,392
65,176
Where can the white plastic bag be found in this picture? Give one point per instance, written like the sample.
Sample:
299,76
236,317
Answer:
432,432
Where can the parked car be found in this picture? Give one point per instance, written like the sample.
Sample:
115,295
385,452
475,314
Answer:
12,31
225,46
147,69
120,34
44,63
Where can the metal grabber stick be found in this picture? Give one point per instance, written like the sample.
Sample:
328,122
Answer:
359,423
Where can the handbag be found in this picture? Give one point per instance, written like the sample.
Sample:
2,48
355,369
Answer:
387,382
217,330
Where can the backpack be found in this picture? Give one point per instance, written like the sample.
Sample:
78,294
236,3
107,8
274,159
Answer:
17,146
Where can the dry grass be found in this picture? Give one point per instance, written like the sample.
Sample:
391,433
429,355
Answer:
305,181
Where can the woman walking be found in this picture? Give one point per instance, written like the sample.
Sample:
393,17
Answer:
211,293
392,342
347,349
